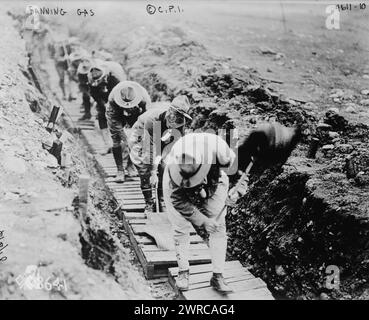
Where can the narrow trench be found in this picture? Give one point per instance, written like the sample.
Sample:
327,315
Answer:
99,247
263,248
102,248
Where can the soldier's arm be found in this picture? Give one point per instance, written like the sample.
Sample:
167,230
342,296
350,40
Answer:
184,206
251,147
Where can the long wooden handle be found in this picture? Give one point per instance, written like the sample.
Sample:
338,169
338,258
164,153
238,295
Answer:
238,184
242,179
157,200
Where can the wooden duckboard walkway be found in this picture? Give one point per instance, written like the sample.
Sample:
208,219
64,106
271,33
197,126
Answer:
156,262
243,283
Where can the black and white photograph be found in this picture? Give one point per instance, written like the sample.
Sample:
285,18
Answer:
198,152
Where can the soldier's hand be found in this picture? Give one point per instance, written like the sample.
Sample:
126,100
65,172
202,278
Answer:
96,123
154,180
236,193
211,226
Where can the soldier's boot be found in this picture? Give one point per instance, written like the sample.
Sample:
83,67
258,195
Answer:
183,280
107,141
150,204
117,154
86,116
218,282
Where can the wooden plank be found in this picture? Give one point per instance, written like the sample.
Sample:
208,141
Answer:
140,229
210,294
112,167
139,221
144,239
119,187
126,193
195,246
229,265
112,171
229,279
123,193
128,207
130,196
122,187
134,215
138,201
85,127
121,198
143,222
128,183
169,257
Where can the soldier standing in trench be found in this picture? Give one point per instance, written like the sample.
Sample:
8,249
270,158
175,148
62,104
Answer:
37,35
103,76
269,144
151,139
78,70
60,52
127,101
195,192
196,187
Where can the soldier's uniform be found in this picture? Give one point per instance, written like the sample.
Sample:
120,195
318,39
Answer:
152,136
60,52
78,71
195,191
109,74
127,101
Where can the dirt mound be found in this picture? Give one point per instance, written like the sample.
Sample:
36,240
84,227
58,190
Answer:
302,218
182,66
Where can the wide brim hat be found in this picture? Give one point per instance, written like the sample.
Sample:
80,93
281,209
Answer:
181,105
99,65
187,148
81,54
193,181
202,149
75,56
116,95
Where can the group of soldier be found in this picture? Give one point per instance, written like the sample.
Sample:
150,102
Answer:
184,171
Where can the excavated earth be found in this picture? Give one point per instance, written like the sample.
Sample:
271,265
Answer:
295,220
